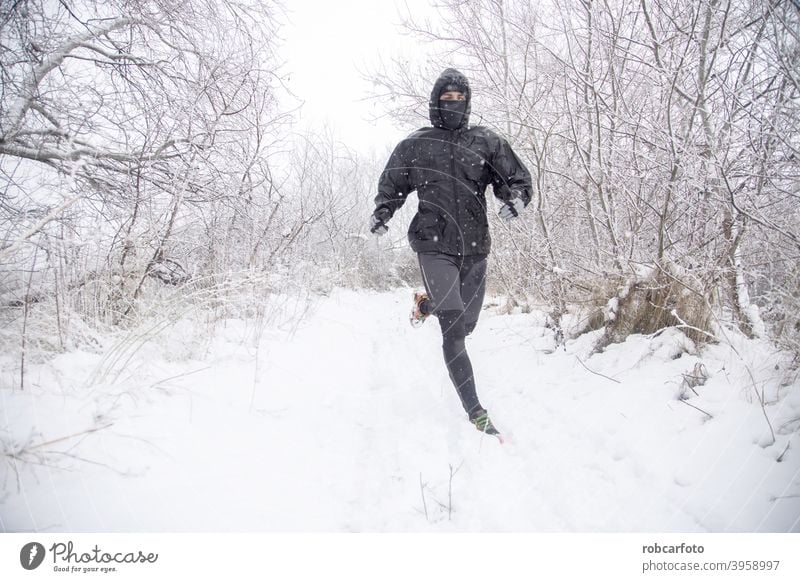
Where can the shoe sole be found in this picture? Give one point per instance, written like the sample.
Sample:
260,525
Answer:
415,322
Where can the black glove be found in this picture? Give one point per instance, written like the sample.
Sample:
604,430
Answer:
378,221
511,208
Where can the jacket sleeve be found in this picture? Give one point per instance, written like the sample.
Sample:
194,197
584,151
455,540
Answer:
510,174
394,185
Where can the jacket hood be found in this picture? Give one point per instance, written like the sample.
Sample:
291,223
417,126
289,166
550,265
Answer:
458,81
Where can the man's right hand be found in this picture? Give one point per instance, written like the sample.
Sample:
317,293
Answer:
378,221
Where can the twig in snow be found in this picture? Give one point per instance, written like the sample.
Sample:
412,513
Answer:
597,373
450,492
97,463
696,408
72,436
697,377
182,375
783,454
775,498
422,492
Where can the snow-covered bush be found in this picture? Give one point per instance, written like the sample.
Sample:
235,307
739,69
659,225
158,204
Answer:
654,299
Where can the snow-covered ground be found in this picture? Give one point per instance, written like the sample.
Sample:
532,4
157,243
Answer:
348,422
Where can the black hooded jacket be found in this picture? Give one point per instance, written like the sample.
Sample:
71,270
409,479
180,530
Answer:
450,170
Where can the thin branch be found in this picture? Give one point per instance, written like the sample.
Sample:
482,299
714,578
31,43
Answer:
422,492
696,408
72,436
597,373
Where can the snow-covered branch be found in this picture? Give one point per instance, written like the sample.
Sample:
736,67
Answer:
75,154
9,248
30,85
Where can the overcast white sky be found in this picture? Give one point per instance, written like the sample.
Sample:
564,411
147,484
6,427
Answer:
326,45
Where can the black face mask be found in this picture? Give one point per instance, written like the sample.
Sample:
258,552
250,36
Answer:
452,113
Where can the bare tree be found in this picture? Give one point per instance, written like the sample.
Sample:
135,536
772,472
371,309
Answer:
661,134
129,136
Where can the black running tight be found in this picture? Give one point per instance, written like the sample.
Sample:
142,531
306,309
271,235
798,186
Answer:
458,363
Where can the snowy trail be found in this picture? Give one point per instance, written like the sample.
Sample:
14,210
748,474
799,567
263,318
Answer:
350,423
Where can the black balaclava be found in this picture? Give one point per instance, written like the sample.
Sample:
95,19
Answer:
450,114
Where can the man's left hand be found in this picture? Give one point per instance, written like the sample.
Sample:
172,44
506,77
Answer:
511,208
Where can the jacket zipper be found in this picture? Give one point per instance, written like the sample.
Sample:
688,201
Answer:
453,136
